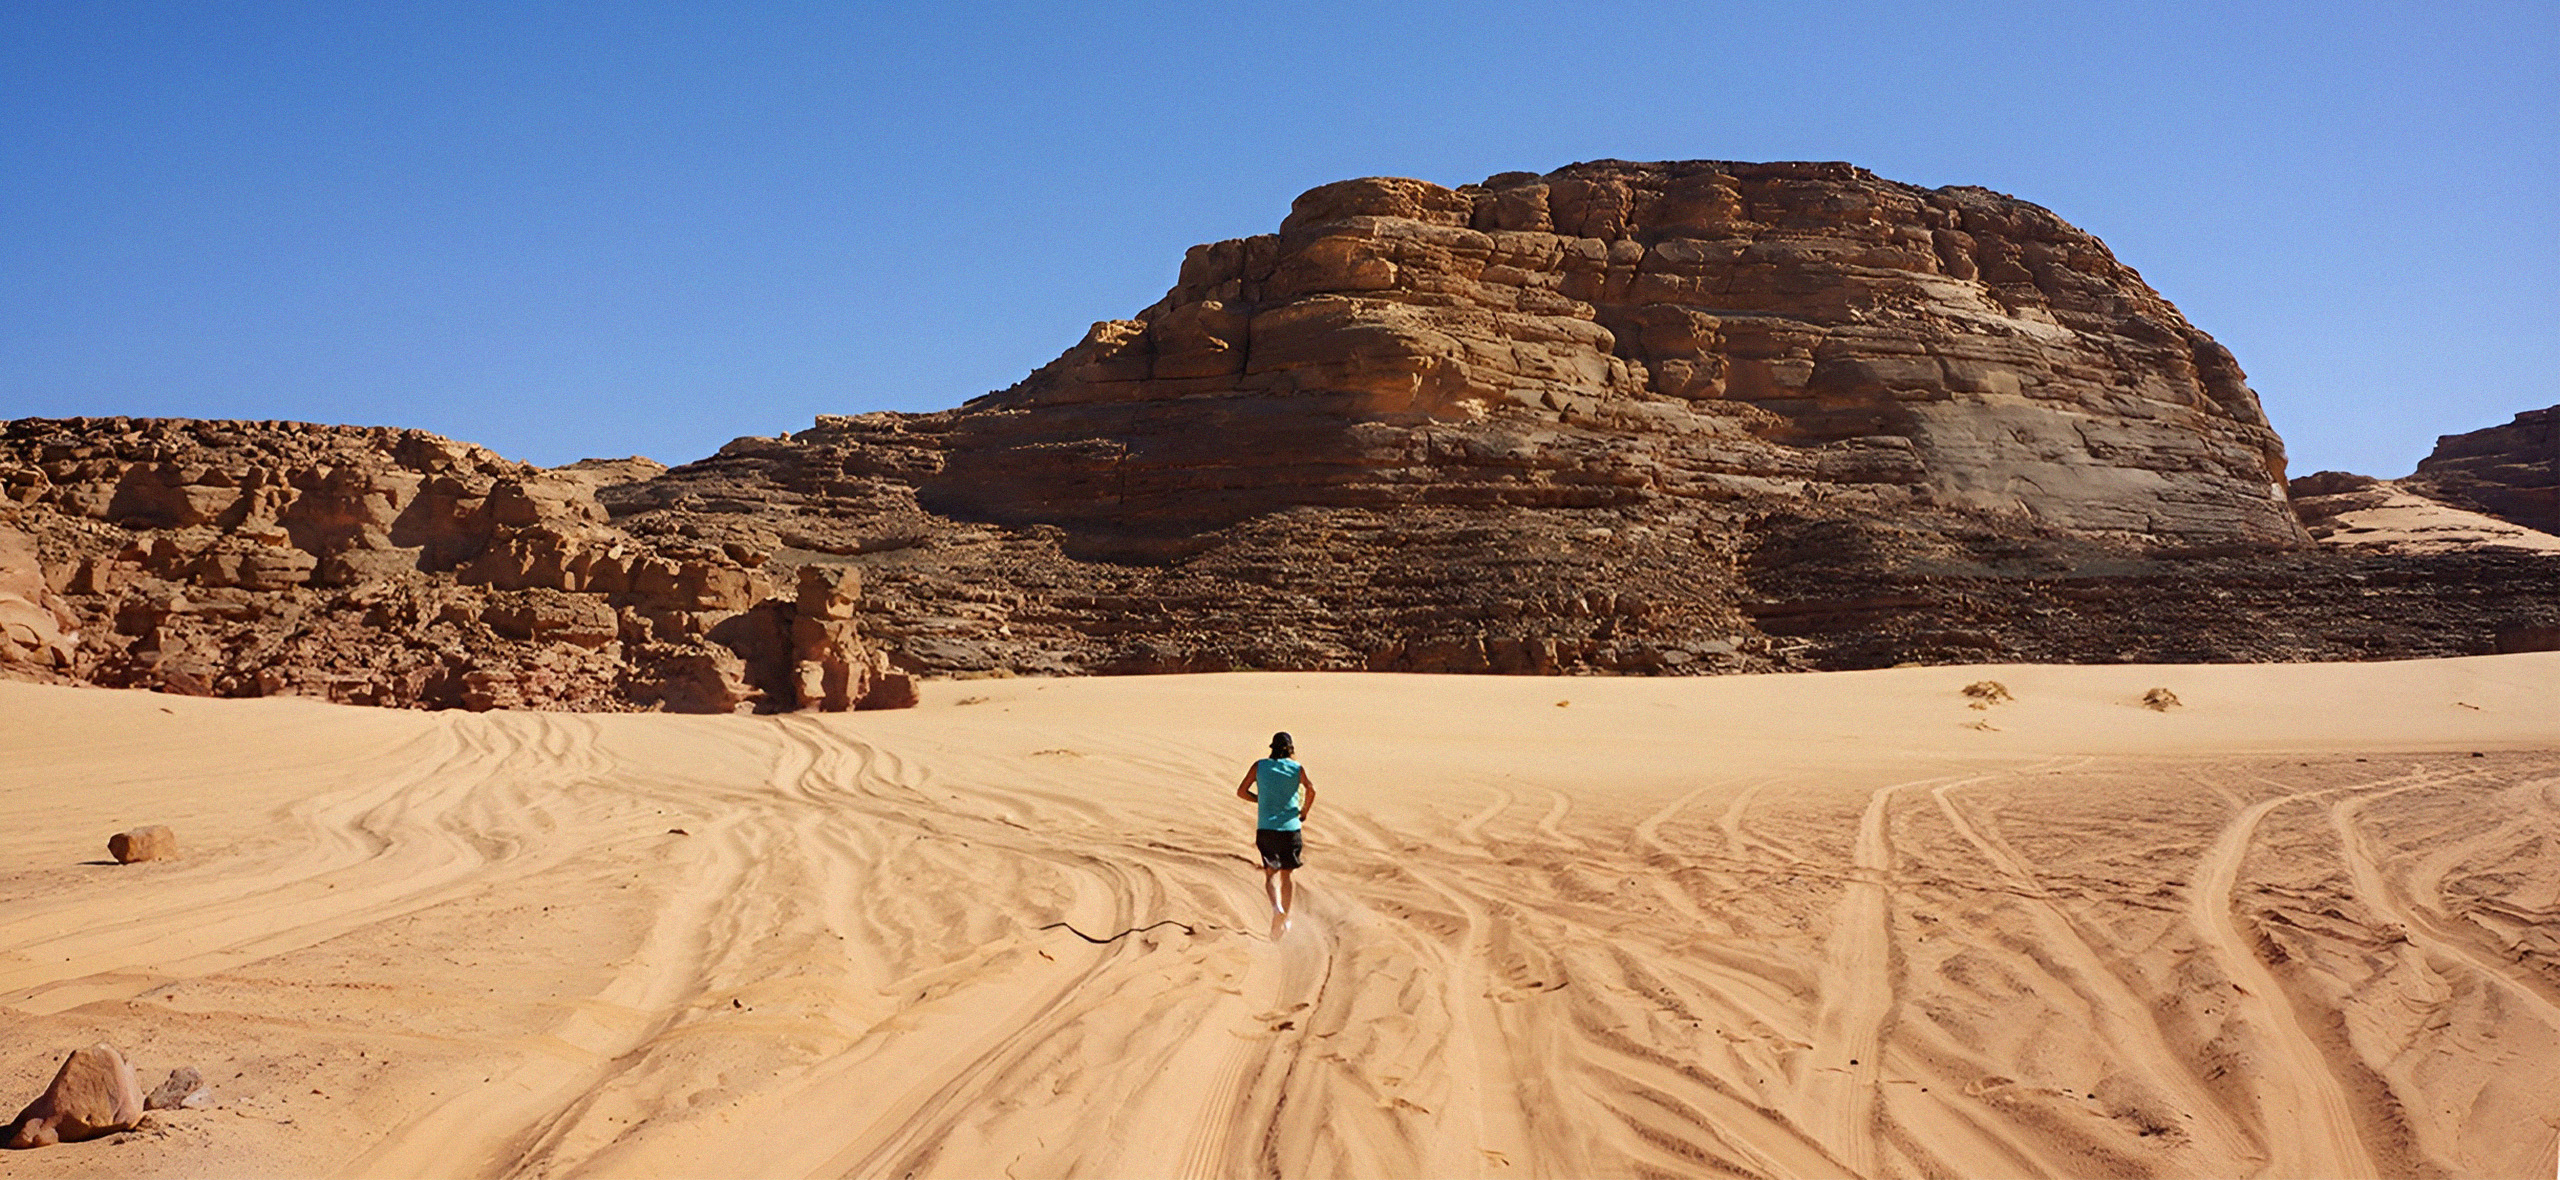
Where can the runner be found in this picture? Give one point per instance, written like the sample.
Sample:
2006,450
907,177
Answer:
1285,796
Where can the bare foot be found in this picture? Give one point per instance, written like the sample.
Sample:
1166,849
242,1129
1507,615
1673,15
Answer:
1279,924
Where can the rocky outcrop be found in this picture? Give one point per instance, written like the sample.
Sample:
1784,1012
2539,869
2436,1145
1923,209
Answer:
39,632
1537,425
2511,472
375,566
1619,335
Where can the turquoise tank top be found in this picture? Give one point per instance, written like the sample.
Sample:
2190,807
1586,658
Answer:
1275,784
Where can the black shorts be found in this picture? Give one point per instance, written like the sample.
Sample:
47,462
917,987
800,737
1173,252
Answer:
1280,850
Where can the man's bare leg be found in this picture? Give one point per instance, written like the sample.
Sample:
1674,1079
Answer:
1275,886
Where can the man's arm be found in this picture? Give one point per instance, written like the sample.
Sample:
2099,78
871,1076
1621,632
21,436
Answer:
1244,790
1306,806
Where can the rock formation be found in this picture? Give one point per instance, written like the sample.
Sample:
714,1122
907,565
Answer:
1620,418
1632,418
1638,335
377,566
2511,472
38,630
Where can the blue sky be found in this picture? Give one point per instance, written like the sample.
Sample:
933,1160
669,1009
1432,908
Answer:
603,229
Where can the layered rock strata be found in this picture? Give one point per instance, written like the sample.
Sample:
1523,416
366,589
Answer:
385,566
2511,472
1638,335
1532,425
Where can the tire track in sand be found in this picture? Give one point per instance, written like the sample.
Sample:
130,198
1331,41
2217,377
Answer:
2310,1126
1855,995
574,1056
2421,928
2121,1018
428,831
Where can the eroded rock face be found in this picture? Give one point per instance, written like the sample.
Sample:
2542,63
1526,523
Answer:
1579,422
370,565
2511,472
39,632
1616,334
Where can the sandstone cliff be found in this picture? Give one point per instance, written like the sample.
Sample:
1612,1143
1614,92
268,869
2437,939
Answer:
1618,334
1542,424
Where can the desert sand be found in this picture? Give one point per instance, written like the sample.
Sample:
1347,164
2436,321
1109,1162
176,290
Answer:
2305,923
2403,522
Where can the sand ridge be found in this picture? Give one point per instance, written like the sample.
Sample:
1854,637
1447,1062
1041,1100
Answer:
1806,926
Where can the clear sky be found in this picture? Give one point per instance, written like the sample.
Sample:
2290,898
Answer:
603,229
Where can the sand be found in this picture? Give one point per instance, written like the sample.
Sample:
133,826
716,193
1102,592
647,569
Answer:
2305,923
2404,522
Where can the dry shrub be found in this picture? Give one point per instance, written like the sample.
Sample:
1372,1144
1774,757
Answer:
2160,700
1986,693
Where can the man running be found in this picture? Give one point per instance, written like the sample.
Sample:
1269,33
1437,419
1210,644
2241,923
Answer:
1285,795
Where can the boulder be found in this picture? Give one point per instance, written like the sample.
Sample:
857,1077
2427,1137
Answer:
94,1093
152,842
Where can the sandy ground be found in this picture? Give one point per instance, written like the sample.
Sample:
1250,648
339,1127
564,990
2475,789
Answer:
2305,924
2407,523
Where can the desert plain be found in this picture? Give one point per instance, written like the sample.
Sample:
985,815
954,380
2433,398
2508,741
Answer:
2303,923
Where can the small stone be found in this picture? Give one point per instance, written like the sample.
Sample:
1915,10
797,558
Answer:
184,1083
93,1094
155,842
